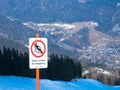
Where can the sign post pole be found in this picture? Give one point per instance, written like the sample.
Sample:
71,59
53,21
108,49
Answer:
38,53
37,71
37,79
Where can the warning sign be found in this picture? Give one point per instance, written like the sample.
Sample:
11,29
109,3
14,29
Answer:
38,53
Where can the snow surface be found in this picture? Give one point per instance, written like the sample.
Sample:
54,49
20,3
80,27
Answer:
22,83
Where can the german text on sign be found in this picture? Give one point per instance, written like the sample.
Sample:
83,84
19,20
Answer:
38,53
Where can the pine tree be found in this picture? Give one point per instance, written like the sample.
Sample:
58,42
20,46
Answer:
62,68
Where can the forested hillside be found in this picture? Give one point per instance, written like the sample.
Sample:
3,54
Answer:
16,63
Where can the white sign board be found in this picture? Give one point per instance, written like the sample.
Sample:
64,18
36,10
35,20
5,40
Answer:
38,52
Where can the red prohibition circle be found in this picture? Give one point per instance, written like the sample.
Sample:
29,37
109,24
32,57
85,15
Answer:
38,56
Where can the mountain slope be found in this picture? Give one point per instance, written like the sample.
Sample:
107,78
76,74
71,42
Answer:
14,29
79,40
15,34
107,14
12,44
83,41
73,36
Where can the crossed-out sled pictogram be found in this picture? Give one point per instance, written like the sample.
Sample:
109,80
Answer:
37,50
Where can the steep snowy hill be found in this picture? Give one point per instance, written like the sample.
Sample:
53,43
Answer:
22,83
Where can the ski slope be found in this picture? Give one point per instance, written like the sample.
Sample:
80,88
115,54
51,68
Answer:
22,83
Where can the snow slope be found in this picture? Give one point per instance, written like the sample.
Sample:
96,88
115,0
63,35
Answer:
22,83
